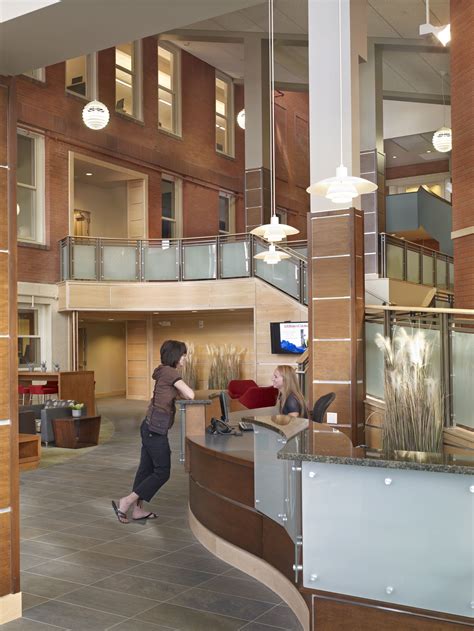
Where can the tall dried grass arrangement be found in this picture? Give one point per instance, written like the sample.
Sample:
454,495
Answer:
224,365
413,398
190,366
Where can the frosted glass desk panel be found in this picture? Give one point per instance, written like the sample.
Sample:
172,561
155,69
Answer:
398,536
270,473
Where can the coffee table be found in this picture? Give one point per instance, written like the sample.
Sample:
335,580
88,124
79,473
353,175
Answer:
76,432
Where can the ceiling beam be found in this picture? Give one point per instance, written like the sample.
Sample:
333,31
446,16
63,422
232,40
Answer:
409,45
416,97
233,37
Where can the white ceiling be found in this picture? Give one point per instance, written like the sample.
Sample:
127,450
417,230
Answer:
414,149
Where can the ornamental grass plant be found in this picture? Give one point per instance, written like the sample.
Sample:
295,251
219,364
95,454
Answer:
190,366
413,397
224,365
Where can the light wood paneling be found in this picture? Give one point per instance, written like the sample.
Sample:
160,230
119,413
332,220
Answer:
5,464
5,553
331,319
332,360
331,277
3,293
331,237
5,379
138,365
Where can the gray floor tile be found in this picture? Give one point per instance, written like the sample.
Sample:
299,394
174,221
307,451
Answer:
31,600
129,551
212,565
45,586
45,550
30,532
282,617
257,626
85,575
87,558
138,625
189,619
152,539
104,600
235,606
246,588
177,575
23,624
146,587
96,532
44,522
77,542
72,616
28,561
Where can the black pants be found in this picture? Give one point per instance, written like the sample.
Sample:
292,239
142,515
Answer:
155,464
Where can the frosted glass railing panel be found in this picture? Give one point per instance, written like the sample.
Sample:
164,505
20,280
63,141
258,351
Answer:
119,262
283,275
413,266
394,261
235,259
400,550
427,264
270,474
432,336
374,362
451,276
83,262
463,378
199,261
441,273
160,263
65,262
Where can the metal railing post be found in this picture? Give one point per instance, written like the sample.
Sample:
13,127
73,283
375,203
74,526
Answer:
405,261
99,263
446,368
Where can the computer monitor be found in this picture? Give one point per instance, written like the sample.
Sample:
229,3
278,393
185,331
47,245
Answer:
224,407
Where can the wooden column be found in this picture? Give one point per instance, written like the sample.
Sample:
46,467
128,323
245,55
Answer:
336,314
10,596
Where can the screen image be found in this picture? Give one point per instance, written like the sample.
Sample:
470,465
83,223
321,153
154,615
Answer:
289,337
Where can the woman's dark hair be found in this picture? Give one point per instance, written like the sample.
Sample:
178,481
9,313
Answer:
171,352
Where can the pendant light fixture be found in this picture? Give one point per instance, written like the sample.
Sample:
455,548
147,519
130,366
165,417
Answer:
241,119
95,115
442,33
342,188
443,137
273,231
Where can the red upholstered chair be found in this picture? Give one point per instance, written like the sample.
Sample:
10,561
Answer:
259,397
42,391
23,391
237,387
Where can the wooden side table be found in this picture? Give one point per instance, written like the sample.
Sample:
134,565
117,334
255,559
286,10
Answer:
29,451
76,432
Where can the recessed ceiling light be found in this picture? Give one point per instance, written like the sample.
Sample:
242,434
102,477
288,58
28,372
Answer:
394,157
89,173
428,151
156,313
193,311
110,319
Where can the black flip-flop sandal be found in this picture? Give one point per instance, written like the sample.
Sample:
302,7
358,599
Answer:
149,516
121,516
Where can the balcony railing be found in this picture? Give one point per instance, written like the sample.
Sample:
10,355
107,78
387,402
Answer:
450,332
415,263
160,260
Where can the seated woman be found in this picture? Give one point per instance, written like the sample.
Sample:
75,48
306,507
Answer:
290,398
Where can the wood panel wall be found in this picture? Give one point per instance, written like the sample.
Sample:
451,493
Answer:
10,605
336,314
138,364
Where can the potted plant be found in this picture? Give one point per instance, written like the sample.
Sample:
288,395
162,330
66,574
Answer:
77,409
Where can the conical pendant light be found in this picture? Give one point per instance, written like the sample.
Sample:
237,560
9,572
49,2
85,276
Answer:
342,188
273,231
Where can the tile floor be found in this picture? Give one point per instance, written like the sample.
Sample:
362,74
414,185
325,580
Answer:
82,570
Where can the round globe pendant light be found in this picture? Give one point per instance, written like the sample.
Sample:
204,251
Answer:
241,119
342,188
443,139
95,115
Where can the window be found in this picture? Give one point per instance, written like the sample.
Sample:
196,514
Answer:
170,209
282,215
168,89
224,115
226,214
81,73
38,74
29,341
30,187
127,79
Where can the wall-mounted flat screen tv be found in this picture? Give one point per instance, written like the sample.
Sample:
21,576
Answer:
289,337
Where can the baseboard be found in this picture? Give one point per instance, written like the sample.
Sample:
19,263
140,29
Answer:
10,607
113,393
255,567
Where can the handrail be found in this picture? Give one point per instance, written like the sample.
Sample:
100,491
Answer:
141,262
415,246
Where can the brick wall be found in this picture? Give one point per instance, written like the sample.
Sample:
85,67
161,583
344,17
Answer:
141,146
462,159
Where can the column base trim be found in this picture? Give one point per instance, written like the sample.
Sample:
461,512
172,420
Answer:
252,565
10,607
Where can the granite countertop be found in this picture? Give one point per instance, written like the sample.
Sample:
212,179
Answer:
194,401
336,448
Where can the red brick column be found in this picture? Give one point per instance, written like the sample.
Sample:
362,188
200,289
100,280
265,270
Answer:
462,120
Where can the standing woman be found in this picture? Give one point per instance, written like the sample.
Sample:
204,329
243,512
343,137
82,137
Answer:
290,398
155,460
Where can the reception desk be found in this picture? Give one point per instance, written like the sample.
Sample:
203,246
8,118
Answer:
350,539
